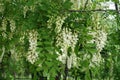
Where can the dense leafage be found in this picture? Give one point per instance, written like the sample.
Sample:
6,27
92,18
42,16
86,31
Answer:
43,39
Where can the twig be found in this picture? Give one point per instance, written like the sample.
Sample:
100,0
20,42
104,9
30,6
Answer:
66,71
117,17
116,7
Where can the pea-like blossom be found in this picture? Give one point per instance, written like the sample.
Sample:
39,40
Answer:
32,55
65,40
12,25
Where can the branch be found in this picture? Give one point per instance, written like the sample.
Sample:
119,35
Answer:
116,7
97,10
66,71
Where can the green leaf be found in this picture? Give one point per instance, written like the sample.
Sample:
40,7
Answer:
116,1
31,2
67,4
92,51
69,51
52,72
87,76
49,64
45,72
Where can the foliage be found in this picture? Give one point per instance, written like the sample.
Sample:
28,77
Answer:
41,39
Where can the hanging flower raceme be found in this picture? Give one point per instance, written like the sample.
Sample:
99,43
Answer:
66,39
4,27
50,22
2,8
21,39
4,24
25,9
32,55
12,25
71,60
59,20
59,23
96,60
101,39
76,4
28,8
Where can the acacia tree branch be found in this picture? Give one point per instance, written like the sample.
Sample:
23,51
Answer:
116,7
97,10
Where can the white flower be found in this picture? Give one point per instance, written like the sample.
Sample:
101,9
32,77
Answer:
69,62
96,59
62,58
99,38
4,35
65,40
4,24
25,9
33,39
32,55
76,4
12,25
59,23
2,7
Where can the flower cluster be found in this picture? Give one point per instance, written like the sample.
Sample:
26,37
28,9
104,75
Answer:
59,23
32,8
27,8
71,61
12,25
4,24
96,60
14,54
12,28
1,7
99,38
32,55
98,31
50,21
76,4
59,20
4,27
22,37
65,40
